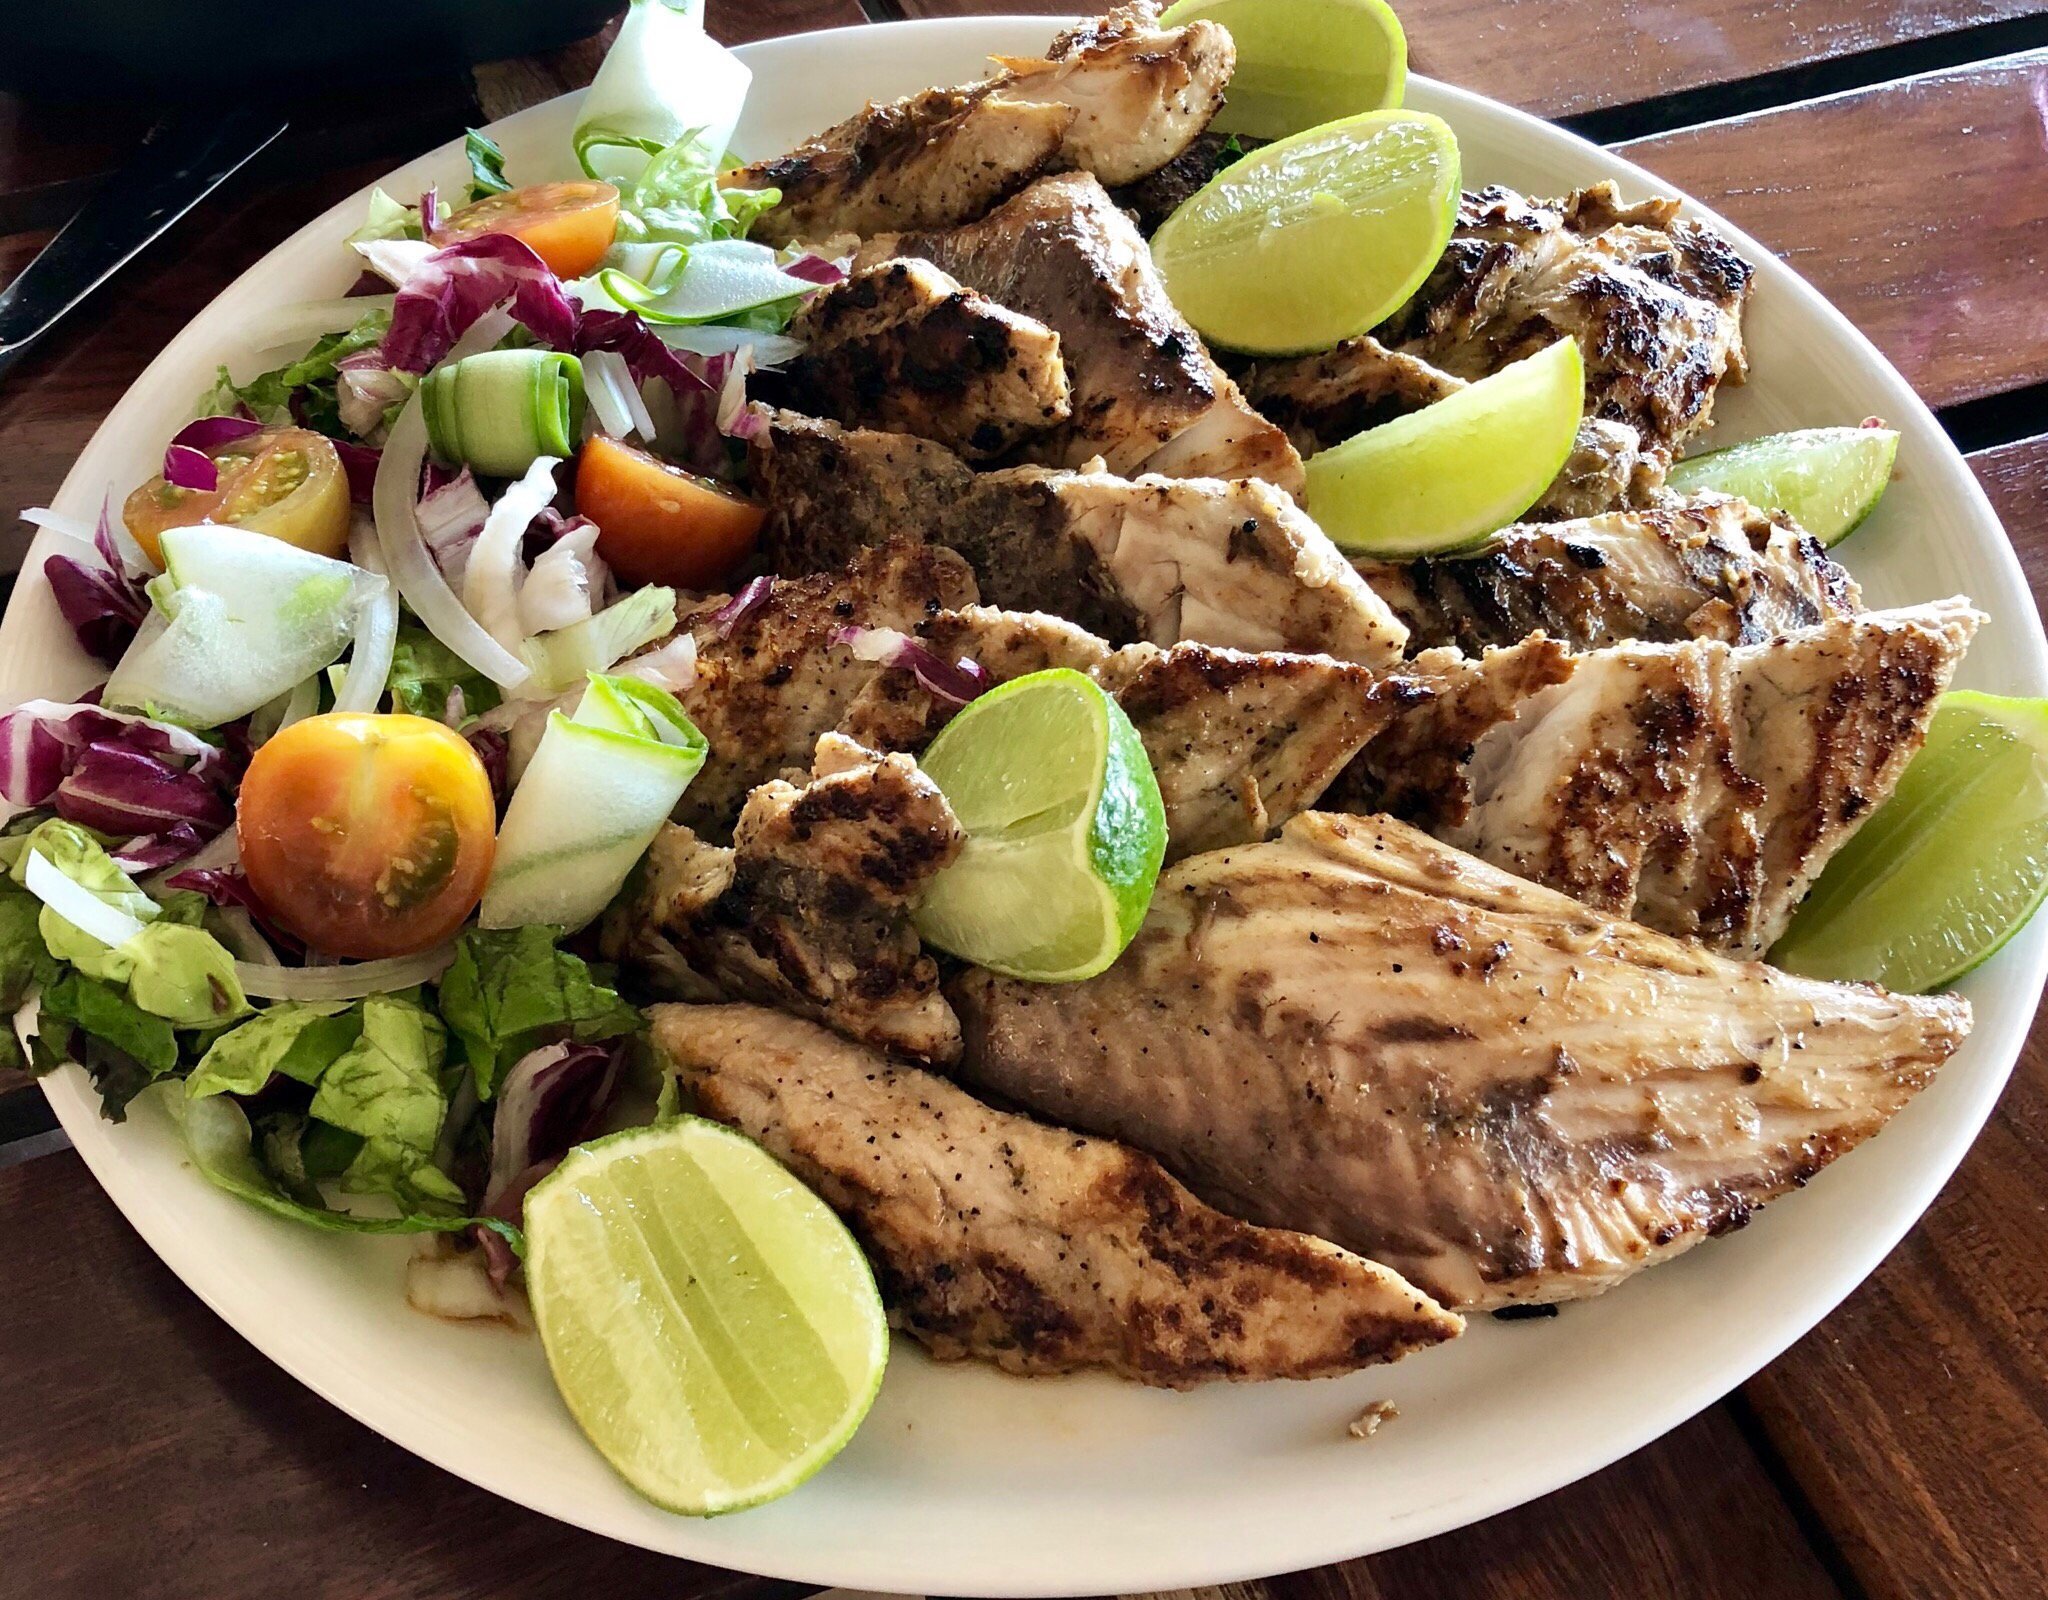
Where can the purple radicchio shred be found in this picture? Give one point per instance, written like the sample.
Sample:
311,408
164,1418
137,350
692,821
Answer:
229,886
359,461
953,683
103,605
152,852
553,1099
814,268
730,617
210,433
125,791
430,211
456,285
42,745
494,750
187,468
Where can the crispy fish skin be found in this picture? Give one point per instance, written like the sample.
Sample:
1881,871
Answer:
902,346
1147,397
1697,787
1227,562
809,910
1043,1251
1117,95
1707,566
1363,1034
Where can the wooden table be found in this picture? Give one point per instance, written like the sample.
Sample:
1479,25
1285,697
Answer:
1893,150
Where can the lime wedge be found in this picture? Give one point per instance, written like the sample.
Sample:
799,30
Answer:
1456,471
711,1324
1827,479
1315,238
1301,62
1065,830
1951,866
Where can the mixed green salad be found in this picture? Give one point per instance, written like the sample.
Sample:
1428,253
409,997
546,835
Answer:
391,714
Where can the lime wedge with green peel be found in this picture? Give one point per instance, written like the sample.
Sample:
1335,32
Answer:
1065,830
1303,62
1456,471
1827,479
711,1324
1315,238
1949,868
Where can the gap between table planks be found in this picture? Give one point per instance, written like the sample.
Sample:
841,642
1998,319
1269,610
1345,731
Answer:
1865,1413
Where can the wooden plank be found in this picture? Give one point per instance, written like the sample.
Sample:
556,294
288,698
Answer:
1916,1417
148,1451
1558,57
1920,208
151,1451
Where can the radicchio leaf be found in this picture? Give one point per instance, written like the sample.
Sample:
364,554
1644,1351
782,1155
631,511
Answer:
553,1099
456,285
953,684
104,605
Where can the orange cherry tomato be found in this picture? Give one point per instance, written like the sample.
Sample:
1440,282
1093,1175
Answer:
286,482
659,524
568,225
367,835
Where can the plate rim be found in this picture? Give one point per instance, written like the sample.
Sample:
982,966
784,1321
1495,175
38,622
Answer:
872,1568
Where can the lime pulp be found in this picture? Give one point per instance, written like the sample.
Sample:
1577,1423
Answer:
1455,471
1828,480
1950,867
1303,62
711,1324
1315,238
1065,830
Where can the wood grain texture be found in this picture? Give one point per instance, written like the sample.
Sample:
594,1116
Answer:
1557,57
1920,208
1693,1517
148,1451
1916,1417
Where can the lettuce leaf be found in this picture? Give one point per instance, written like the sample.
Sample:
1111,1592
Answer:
222,1144
295,1039
386,1088
486,165
423,670
511,990
311,378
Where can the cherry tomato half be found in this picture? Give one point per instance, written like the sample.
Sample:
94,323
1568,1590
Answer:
659,524
568,225
367,835
286,482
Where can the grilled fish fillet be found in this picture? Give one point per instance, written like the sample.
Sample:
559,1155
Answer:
1146,395
809,911
996,1237
1117,95
901,346
1655,303
1238,742
1706,567
770,682
1230,563
1698,788
1369,1036
1324,399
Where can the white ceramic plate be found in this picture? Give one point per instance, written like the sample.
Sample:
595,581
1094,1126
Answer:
970,1483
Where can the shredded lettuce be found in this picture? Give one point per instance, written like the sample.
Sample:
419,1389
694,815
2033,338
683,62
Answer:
426,676
298,1039
301,391
486,165
222,1145
513,990
386,1089
387,219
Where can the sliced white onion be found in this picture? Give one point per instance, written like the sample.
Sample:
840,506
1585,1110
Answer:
672,666
606,377
79,906
636,402
394,260
412,564
347,982
369,663
44,517
490,583
243,938
299,325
